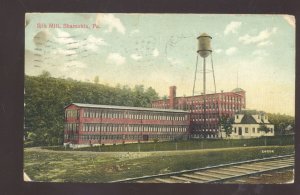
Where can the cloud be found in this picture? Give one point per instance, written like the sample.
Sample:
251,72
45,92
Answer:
155,52
93,43
97,41
136,56
75,64
260,53
111,22
62,34
135,31
64,52
290,20
231,50
264,43
262,36
115,58
63,37
218,50
232,27
174,61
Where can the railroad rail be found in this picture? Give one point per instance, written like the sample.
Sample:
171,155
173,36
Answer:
219,173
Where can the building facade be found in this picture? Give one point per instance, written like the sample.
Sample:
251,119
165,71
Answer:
247,125
205,124
87,124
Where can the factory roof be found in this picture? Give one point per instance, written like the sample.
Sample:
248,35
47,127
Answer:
252,112
211,94
125,108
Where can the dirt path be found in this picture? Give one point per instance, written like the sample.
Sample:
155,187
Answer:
141,154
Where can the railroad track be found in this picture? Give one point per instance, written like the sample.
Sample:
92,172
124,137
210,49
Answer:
219,173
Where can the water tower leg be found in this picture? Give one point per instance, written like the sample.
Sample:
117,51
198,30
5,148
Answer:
204,91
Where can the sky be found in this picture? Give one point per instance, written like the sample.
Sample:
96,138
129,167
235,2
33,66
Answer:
253,52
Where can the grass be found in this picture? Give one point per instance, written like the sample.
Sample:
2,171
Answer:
187,145
82,166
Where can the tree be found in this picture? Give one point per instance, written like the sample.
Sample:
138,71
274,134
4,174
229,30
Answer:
45,74
263,127
46,97
96,79
280,122
226,124
165,97
281,128
151,95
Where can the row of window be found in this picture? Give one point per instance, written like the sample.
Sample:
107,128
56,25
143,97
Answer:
208,119
209,107
132,128
202,136
254,130
201,100
96,113
213,107
222,98
71,137
209,128
207,116
119,137
72,127
72,114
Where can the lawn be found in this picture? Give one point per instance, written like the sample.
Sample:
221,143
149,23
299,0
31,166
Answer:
87,166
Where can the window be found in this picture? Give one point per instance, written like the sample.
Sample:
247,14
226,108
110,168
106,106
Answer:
246,129
240,130
253,130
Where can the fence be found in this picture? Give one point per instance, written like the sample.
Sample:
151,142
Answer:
192,144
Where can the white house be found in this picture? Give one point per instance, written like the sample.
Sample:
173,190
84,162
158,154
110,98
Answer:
246,125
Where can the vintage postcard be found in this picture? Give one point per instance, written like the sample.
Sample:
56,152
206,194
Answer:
159,98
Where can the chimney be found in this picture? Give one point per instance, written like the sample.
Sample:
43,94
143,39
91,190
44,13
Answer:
172,96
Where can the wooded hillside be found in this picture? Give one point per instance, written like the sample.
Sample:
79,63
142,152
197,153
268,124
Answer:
46,97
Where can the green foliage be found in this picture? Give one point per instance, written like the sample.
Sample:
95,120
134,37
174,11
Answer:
280,122
263,127
46,97
45,74
226,124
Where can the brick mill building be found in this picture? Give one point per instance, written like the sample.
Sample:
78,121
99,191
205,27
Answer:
168,119
106,124
217,105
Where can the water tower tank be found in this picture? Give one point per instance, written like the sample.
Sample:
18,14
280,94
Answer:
204,48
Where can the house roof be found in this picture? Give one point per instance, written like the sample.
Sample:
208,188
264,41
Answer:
248,119
125,108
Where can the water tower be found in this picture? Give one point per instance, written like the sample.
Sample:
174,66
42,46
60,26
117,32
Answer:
204,50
